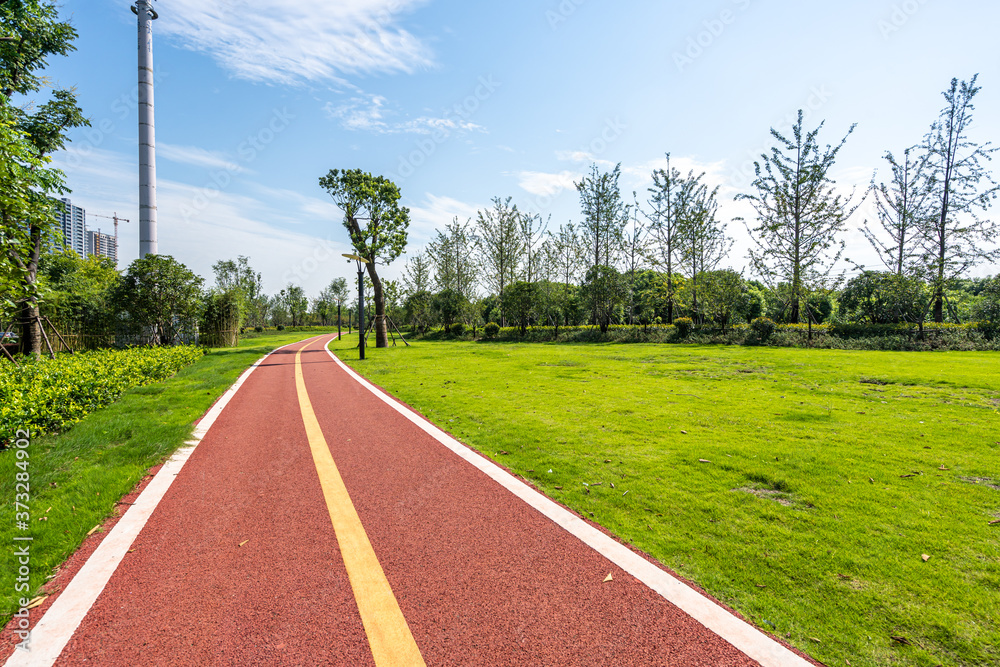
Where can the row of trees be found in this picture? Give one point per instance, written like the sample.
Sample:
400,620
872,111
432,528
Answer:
928,229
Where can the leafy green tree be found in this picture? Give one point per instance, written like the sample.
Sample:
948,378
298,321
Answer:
605,216
987,309
449,305
884,297
161,295
419,310
238,278
902,210
799,213
605,291
520,300
296,303
417,274
701,239
78,292
532,228
956,237
501,246
453,255
724,297
567,259
375,200
29,133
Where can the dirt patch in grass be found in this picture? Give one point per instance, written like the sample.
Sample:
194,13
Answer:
982,481
780,497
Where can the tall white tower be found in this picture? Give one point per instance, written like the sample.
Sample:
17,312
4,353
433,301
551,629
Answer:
143,9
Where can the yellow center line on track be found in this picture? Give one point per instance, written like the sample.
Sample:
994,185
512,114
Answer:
388,634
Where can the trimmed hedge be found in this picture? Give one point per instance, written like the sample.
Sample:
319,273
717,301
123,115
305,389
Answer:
48,395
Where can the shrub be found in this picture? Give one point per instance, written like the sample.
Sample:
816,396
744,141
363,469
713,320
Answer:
762,327
47,395
491,330
457,329
684,326
259,329
281,327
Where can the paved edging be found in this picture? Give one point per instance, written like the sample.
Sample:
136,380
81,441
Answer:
51,634
737,632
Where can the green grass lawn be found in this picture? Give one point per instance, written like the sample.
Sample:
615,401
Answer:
82,473
802,487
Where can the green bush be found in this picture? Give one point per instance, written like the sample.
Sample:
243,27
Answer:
259,329
47,395
762,327
684,326
457,329
491,330
281,327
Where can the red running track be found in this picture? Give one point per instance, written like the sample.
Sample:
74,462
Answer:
480,577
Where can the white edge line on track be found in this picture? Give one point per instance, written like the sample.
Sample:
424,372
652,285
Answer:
737,632
51,634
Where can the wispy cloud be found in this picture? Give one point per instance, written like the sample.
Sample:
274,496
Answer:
433,214
369,113
198,157
546,184
289,41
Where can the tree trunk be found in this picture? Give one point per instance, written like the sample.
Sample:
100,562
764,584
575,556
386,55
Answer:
381,332
31,334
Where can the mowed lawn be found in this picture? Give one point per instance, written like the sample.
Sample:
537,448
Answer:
839,499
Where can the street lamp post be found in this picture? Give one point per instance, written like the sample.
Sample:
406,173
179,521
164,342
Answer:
361,300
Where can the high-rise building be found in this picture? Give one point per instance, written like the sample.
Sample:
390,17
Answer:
103,245
74,226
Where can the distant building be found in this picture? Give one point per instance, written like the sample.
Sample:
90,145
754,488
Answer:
74,226
103,245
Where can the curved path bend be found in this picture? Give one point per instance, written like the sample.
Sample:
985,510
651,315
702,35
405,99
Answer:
319,522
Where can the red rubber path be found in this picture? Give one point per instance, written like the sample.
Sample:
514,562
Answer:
481,578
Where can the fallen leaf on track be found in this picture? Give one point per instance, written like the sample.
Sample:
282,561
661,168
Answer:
37,601
608,578
244,542
93,530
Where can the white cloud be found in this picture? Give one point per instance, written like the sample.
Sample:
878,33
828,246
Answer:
433,214
546,184
289,41
367,113
198,157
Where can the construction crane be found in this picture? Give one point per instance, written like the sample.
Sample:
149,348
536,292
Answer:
112,217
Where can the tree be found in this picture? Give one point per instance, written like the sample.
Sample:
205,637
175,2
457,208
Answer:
636,244
902,208
374,199
30,133
519,302
884,297
449,305
500,246
567,260
78,291
161,295
670,198
701,238
296,303
532,229
339,294
724,296
605,290
417,274
454,258
799,214
604,220
955,239
419,310
237,277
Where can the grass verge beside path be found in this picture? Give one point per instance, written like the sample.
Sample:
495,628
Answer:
82,473
802,487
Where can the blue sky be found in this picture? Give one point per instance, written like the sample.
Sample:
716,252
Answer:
459,102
